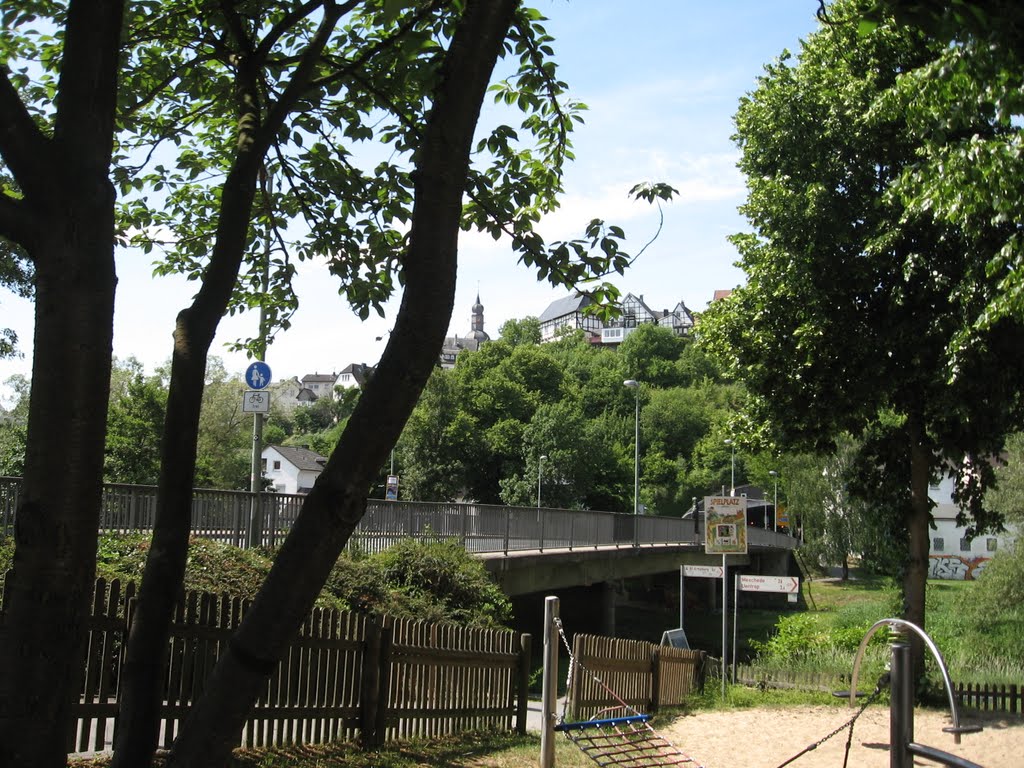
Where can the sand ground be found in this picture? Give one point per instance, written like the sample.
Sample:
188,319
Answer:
766,738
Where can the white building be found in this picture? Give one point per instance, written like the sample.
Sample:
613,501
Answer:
320,384
291,469
951,555
353,376
567,314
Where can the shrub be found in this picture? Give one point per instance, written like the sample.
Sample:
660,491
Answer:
442,573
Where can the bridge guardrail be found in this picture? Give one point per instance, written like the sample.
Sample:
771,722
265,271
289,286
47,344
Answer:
481,528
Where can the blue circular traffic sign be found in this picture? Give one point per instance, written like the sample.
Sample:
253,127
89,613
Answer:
257,375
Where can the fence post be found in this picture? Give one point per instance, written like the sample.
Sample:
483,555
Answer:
369,696
387,641
549,694
655,679
522,699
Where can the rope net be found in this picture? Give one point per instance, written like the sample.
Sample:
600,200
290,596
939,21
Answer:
619,735
628,741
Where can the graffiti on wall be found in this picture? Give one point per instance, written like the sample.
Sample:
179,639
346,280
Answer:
955,568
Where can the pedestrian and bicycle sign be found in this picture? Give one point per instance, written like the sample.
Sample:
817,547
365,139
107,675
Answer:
254,401
257,375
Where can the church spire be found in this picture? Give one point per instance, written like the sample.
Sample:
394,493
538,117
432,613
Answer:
477,323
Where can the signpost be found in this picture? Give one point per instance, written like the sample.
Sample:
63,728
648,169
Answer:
391,490
256,402
788,585
725,533
700,572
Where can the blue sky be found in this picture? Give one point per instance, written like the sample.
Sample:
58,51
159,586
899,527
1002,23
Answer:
662,80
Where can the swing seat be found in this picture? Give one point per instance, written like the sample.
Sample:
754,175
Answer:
610,722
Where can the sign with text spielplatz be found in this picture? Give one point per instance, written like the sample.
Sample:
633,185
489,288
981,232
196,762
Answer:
725,525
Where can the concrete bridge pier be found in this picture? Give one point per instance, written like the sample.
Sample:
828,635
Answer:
609,596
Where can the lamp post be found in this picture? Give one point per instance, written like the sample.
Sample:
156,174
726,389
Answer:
775,503
635,386
540,465
729,441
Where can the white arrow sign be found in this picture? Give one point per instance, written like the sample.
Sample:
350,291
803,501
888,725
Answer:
789,585
703,571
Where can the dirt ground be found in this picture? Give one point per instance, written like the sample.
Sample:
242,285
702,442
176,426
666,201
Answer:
766,738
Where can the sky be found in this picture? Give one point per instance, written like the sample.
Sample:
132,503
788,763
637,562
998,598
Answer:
662,81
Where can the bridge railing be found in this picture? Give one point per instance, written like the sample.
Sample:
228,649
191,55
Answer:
480,528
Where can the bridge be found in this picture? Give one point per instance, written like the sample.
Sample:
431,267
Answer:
527,549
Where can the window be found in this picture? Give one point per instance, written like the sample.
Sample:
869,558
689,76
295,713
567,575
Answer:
938,544
991,544
263,465
277,465
965,545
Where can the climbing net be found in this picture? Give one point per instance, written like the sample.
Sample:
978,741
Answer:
620,735
623,736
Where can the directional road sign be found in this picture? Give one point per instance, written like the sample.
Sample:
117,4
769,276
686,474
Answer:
703,571
257,375
789,585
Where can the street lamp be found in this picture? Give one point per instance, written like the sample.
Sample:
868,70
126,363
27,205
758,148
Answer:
775,504
729,441
540,464
635,385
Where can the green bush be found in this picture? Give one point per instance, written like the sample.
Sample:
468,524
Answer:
442,574
429,580
6,553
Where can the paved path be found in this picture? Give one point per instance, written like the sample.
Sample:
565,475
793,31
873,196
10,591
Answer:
535,715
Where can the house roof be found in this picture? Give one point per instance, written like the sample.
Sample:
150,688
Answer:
360,372
325,378
565,306
303,458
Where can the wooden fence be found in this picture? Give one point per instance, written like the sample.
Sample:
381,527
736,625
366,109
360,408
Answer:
992,698
345,676
612,672
989,697
792,679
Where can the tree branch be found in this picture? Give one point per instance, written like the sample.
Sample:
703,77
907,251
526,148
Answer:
87,95
360,61
22,144
14,223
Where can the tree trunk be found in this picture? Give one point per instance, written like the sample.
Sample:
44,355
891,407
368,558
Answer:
69,207
915,575
141,688
338,500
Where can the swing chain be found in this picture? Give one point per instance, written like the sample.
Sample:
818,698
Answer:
883,681
568,675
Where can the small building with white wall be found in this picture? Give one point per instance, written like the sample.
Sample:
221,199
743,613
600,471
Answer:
291,469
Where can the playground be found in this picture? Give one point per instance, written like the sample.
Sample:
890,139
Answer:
616,733
767,737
